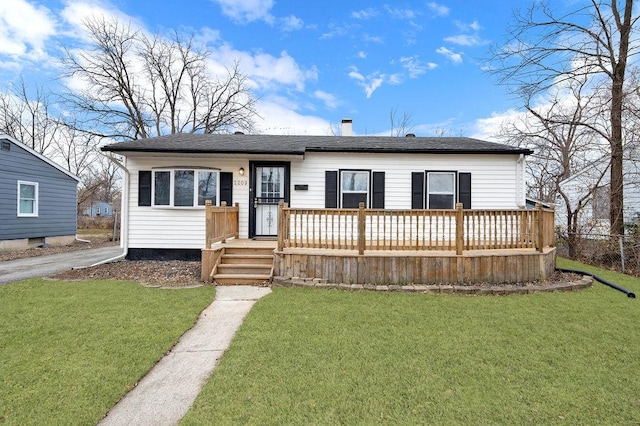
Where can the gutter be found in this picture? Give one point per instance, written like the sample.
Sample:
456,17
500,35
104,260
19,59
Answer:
520,171
124,216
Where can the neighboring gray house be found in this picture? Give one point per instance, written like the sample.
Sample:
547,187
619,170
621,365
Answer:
98,209
38,198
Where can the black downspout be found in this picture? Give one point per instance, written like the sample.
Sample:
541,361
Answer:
629,293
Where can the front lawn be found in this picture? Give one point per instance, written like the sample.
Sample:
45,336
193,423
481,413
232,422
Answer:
307,356
70,350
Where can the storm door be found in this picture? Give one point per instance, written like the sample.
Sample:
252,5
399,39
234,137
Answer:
269,186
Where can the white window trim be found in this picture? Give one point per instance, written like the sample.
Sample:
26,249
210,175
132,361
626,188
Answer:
36,201
455,187
368,191
172,170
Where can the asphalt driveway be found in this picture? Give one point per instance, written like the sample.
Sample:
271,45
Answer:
22,269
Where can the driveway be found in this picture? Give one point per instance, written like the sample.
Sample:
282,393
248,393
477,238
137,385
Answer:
22,269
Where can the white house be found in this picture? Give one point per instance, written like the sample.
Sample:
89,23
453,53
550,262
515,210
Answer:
168,179
591,187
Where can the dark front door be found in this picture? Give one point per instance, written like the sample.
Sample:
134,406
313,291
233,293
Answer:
269,186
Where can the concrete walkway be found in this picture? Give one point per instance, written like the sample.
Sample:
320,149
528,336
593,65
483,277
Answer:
39,266
167,392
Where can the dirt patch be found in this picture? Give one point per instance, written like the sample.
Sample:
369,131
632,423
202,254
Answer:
165,273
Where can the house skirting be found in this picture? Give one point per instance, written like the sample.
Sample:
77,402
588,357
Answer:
25,243
401,268
163,254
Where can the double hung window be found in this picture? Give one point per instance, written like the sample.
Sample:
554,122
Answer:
27,199
441,190
354,188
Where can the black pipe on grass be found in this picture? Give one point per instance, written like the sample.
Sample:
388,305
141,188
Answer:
629,293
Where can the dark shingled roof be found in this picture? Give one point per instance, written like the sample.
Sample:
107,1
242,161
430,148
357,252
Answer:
298,145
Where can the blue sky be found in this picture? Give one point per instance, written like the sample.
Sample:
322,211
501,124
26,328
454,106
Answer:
310,63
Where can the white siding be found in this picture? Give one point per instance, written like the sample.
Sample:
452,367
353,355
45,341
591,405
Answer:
181,228
494,186
493,178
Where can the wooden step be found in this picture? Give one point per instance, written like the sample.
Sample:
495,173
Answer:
249,250
244,268
248,263
241,279
262,259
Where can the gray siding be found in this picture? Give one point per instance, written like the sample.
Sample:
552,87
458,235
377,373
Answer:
57,194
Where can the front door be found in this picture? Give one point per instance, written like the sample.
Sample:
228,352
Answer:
269,186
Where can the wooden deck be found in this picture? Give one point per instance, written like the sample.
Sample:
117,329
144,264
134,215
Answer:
368,246
416,267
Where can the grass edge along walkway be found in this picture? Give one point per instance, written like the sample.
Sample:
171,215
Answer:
70,350
307,356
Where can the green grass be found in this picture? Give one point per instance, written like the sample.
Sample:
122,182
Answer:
70,350
307,356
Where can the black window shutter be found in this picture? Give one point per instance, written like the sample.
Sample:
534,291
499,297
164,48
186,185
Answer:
464,189
378,190
417,190
330,189
144,188
226,188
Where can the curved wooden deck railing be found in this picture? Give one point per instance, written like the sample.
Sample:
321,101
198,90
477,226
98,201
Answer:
374,229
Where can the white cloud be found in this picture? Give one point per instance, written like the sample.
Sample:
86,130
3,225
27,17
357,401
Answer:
396,78
245,11
206,36
465,40
452,56
335,31
416,68
76,14
355,74
400,13
438,9
276,118
264,70
365,13
372,39
474,26
361,54
291,23
329,100
24,29
473,39
369,83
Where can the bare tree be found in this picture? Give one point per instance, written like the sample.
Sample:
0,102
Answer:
28,118
562,148
138,86
400,126
592,43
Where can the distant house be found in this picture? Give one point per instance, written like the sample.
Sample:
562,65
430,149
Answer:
591,185
98,209
38,198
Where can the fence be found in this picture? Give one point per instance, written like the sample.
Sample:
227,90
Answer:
373,229
616,252
221,222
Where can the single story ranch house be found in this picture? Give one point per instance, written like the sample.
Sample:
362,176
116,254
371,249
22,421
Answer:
168,180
